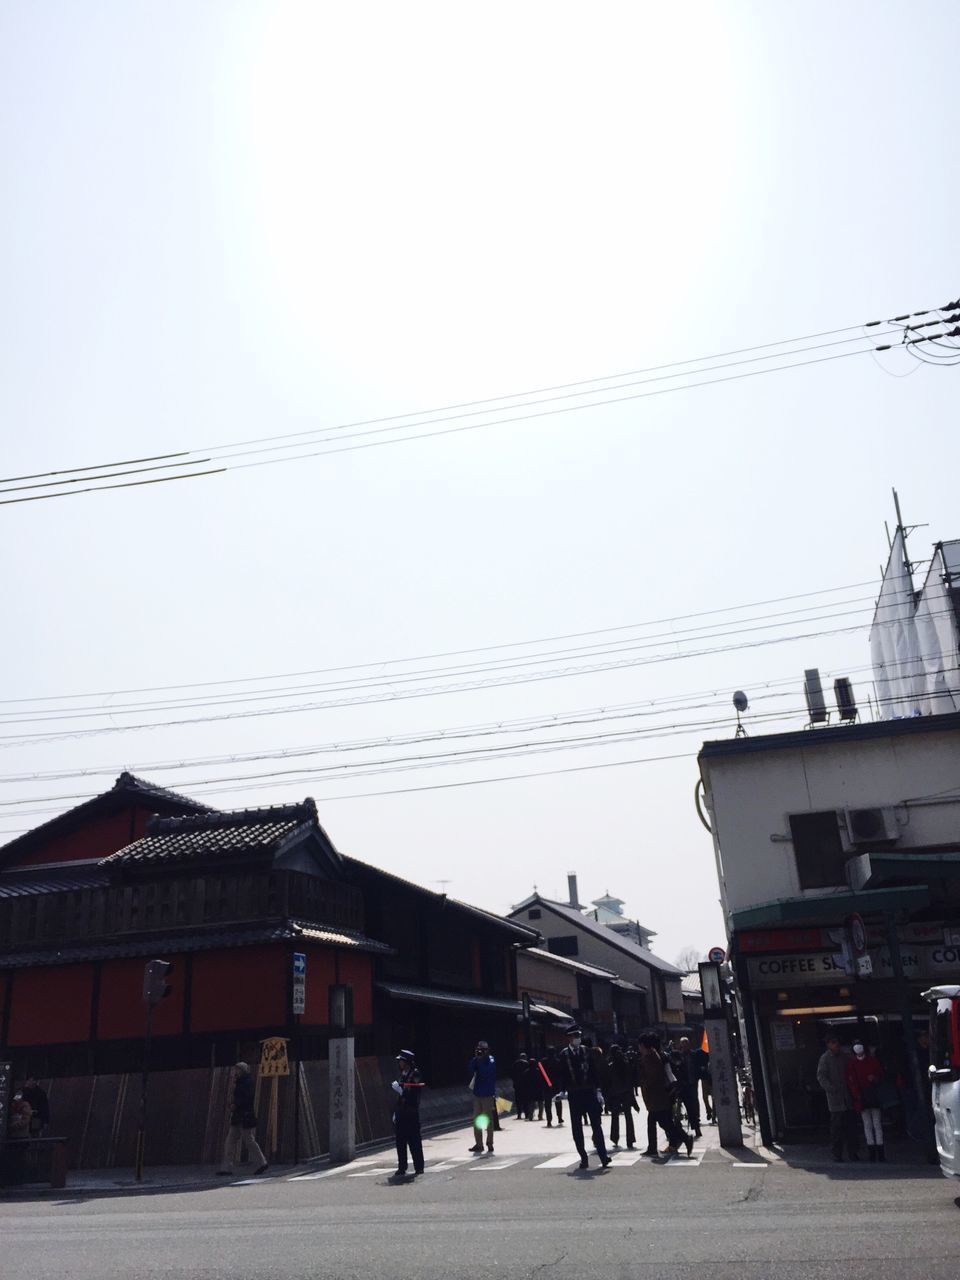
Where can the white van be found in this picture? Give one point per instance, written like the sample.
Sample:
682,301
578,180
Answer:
945,1074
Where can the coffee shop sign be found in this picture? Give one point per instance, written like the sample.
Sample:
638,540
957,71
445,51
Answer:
812,968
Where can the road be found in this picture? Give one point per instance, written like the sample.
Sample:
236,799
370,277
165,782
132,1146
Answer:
525,1212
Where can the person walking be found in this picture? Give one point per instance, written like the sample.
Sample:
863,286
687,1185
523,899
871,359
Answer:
658,1094
618,1091
578,1073
483,1082
832,1079
688,1078
551,1068
518,1075
243,1126
406,1113
864,1075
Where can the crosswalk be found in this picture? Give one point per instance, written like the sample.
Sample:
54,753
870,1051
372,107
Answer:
383,1165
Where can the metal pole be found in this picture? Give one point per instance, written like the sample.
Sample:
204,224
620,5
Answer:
906,1008
142,1129
296,1095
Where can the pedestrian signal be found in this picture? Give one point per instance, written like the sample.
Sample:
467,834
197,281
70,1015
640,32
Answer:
155,985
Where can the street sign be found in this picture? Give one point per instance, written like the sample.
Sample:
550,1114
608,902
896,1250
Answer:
716,955
299,983
858,934
273,1057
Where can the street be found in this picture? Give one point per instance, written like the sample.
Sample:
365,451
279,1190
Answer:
525,1211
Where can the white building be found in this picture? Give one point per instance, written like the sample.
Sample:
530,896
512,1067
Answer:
812,829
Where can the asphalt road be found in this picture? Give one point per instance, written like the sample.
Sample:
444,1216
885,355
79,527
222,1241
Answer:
505,1216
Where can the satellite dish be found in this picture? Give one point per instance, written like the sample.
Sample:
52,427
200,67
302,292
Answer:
741,703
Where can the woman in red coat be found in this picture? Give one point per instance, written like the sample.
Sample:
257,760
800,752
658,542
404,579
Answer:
864,1074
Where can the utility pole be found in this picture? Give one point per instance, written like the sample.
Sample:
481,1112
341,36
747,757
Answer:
155,989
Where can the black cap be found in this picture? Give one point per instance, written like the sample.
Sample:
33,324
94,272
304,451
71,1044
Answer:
573,1031
407,1055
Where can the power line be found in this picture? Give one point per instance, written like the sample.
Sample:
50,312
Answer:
10,740
325,435
448,653
374,682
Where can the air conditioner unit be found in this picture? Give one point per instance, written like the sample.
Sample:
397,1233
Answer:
869,826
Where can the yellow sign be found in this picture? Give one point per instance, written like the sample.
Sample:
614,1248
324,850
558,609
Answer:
273,1057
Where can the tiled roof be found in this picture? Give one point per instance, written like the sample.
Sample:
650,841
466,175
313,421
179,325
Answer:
592,970
126,789
38,880
151,791
452,999
175,944
526,931
217,834
611,937
339,937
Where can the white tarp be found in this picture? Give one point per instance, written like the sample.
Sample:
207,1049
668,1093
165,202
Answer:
894,649
914,639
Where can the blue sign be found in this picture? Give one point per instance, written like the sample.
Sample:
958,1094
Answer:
299,963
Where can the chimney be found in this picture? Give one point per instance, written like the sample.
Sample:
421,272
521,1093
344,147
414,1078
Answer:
572,890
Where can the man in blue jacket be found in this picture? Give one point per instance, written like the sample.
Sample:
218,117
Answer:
483,1081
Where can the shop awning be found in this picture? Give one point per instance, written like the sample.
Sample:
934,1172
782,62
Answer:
548,1011
451,999
871,870
830,908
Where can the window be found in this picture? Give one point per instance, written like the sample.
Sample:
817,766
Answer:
818,849
534,913
563,946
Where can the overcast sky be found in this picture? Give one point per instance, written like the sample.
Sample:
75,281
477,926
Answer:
229,221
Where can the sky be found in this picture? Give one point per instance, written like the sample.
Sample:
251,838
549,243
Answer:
225,222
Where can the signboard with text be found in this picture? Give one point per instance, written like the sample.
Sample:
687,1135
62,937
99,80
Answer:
825,968
273,1057
299,983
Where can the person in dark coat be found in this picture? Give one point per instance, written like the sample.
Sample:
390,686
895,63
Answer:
618,1091
551,1065
40,1105
518,1075
658,1094
406,1115
688,1079
243,1125
578,1074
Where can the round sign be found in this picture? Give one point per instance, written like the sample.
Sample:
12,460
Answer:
858,934
716,955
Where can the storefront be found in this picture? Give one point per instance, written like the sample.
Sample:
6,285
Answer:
799,984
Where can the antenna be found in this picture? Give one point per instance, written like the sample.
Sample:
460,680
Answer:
741,703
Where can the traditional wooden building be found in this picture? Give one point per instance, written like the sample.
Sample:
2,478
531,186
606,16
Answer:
228,897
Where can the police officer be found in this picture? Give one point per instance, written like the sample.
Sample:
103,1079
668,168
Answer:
406,1115
580,1079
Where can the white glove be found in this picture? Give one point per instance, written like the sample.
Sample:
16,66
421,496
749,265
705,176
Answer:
600,1096
395,1086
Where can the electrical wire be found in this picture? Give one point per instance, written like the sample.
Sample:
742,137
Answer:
448,653
375,682
318,432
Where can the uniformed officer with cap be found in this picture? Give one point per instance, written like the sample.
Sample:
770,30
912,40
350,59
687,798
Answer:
578,1073
406,1114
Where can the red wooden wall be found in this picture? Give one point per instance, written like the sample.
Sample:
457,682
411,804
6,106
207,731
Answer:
96,839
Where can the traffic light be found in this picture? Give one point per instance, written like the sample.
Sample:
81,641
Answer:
155,984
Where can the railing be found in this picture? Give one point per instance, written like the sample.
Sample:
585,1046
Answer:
83,915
